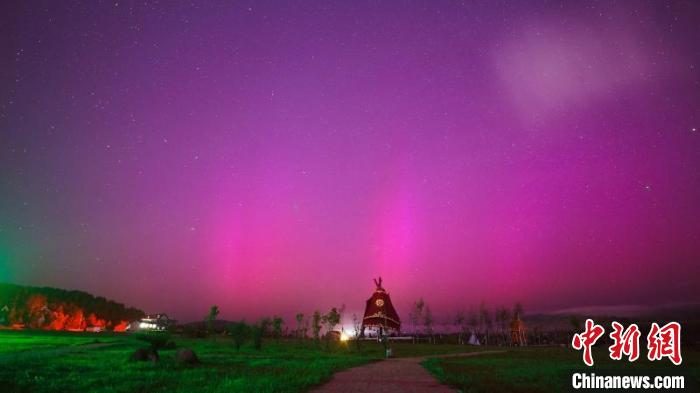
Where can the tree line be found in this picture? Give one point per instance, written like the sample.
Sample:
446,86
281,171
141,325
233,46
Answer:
488,326
59,309
274,327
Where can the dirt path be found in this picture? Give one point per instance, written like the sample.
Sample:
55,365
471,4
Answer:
389,376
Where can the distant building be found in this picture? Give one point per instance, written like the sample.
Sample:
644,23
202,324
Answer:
154,322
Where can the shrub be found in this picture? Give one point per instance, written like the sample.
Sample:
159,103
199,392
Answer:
258,331
239,332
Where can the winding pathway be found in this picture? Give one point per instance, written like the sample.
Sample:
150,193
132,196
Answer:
389,376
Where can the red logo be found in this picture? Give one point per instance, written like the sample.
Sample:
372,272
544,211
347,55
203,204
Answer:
661,342
586,339
665,342
625,342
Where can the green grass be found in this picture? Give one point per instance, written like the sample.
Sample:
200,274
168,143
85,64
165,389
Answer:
74,362
20,342
545,369
66,362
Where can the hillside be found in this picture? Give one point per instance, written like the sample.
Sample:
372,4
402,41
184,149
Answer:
59,309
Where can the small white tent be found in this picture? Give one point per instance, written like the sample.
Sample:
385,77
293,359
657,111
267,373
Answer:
473,340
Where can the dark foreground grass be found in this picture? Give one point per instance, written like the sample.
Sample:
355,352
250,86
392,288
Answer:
62,362
547,369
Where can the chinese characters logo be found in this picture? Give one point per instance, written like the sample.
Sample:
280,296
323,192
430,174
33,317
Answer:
662,341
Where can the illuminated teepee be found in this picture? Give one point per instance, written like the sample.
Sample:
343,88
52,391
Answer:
517,332
379,312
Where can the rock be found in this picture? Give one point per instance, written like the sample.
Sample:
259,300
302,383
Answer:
140,355
144,354
153,356
186,356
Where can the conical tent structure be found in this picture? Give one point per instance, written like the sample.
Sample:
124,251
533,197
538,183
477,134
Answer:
379,312
473,340
517,332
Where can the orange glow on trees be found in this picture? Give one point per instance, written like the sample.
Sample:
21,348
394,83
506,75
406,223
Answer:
36,310
121,327
58,319
76,321
92,320
58,309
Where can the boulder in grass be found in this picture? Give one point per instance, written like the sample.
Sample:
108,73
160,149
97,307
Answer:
153,356
186,356
143,355
140,355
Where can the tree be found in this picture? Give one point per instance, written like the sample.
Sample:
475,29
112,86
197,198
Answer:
209,319
258,331
299,317
76,321
341,311
305,328
316,324
277,323
498,323
518,310
17,315
459,322
416,315
472,319
36,310
49,306
239,332
502,317
537,334
4,316
428,323
330,321
357,327
485,321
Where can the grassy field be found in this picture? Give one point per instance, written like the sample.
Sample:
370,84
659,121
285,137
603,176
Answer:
16,342
548,369
70,362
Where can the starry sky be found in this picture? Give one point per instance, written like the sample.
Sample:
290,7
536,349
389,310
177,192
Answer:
273,157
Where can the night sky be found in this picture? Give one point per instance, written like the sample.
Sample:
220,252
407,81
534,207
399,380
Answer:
274,158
